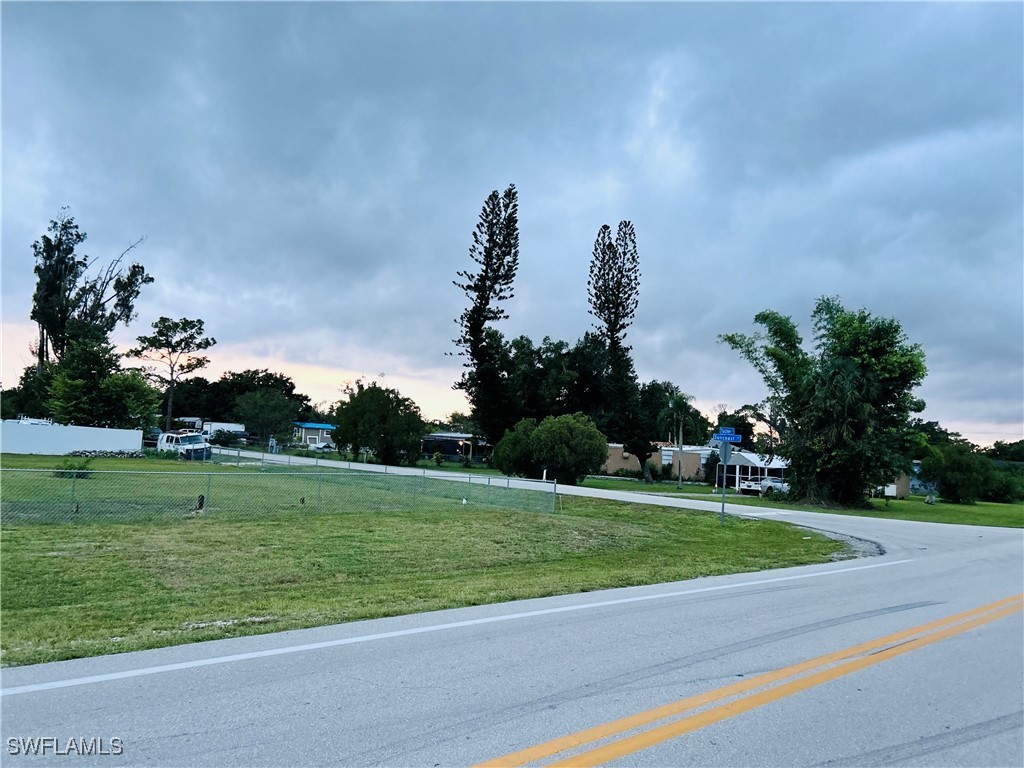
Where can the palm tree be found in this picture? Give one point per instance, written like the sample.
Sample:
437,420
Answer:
675,416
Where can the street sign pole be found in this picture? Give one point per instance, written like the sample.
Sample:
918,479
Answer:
725,436
725,453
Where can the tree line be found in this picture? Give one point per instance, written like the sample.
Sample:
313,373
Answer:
78,377
513,385
842,411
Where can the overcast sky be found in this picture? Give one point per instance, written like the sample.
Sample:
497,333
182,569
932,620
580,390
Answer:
307,177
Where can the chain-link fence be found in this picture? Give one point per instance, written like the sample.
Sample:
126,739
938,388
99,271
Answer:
43,496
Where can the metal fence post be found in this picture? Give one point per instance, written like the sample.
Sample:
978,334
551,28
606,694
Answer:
209,486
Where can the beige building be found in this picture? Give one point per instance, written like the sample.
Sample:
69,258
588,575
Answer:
693,458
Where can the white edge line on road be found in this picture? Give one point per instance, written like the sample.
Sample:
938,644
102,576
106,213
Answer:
142,671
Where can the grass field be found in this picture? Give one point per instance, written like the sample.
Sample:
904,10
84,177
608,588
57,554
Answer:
79,590
258,561
147,491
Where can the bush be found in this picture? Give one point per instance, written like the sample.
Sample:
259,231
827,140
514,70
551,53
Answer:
711,469
513,455
153,453
224,438
1004,485
438,458
571,447
73,469
960,474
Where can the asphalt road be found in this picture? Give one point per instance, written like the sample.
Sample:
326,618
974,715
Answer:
907,658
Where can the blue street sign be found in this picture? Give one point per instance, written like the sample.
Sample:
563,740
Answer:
727,430
726,438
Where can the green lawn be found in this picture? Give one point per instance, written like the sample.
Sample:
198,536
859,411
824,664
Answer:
914,508
698,490
261,557
72,590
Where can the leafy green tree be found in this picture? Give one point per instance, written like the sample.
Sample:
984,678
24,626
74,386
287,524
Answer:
588,365
122,400
75,392
174,345
1007,451
495,252
540,380
380,419
711,468
89,388
460,422
847,406
267,413
513,455
198,396
930,436
1005,485
225,392
67,301
32,395
570,446
742,421
959,472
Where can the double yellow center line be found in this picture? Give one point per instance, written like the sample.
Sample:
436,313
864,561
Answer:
783,682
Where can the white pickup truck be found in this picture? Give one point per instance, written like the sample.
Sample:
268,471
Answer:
188,444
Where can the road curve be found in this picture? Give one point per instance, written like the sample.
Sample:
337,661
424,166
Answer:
910,658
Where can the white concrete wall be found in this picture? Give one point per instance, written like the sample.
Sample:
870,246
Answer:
57,440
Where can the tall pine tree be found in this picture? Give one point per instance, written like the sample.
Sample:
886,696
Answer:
495,252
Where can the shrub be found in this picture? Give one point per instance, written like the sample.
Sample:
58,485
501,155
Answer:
513,455
224,438
1004,485
438,458
571,447
711,469
73,469
153,453
960,474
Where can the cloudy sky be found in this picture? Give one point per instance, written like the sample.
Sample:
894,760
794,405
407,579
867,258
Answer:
307,177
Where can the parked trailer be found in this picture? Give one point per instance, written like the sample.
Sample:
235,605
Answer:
211,427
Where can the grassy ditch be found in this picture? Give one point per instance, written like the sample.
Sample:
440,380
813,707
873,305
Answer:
80,590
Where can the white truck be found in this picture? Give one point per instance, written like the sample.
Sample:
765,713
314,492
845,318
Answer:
188,444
